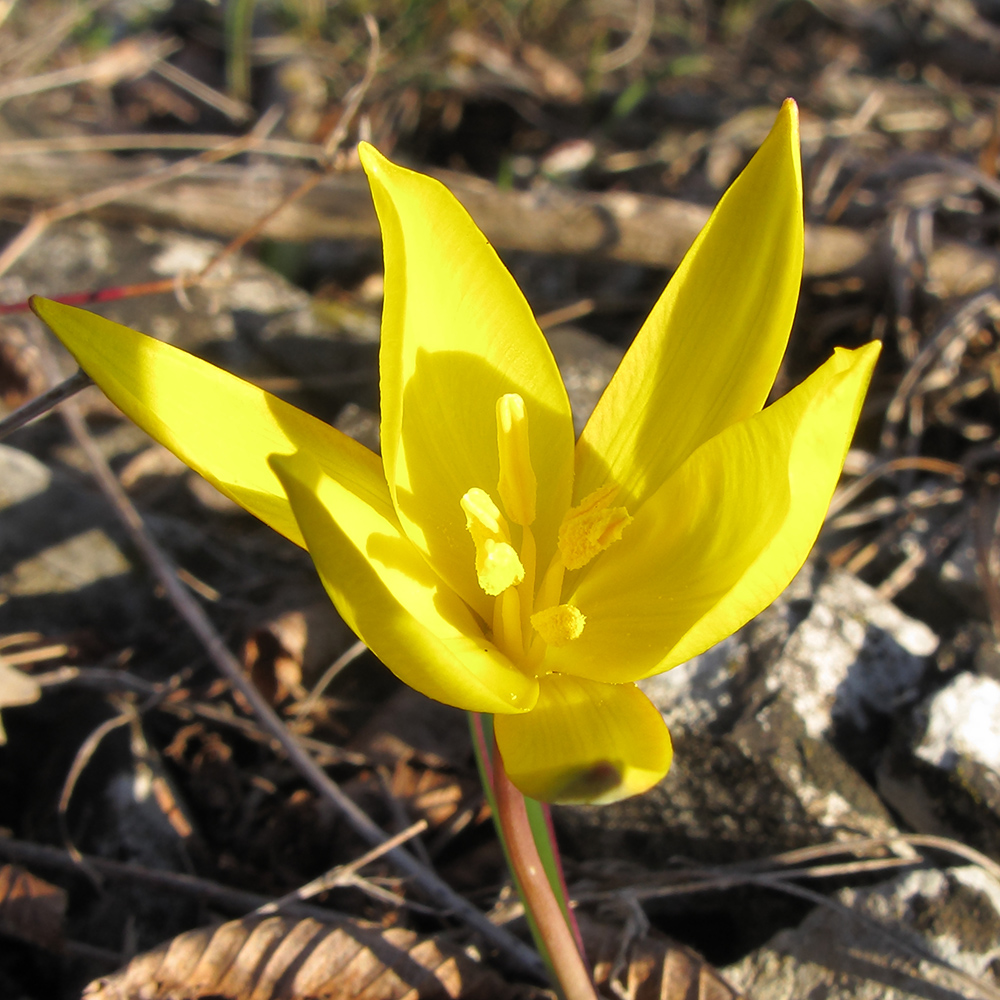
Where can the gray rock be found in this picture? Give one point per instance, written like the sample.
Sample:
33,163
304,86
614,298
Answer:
62,561
854,655
696,695
963,721
942,771
952,915
21,477
65,567
704,694
586,364
822,796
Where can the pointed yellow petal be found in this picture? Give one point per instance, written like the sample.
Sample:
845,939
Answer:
384,589
708,353
723,536
457,335
584,742
221,426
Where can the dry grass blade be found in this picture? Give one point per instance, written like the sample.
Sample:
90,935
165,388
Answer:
31,908
281,959
651,966
130,58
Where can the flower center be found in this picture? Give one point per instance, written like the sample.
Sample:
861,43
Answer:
526,623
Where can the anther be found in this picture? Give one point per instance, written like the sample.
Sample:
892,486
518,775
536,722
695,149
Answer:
591,526
497,564
559,624
517,486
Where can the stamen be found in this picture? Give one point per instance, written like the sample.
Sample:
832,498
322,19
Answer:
551,588
497,565
559,625
518,486
512,642
526,588
591,526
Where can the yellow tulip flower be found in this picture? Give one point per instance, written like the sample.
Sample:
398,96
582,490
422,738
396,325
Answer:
491,561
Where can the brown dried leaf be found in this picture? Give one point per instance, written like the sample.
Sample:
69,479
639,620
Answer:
650,967
410,726
291,647
31,908
278,958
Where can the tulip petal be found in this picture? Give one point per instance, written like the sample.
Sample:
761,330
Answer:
384,589
708,353
457,334
584,742
723,536
219,425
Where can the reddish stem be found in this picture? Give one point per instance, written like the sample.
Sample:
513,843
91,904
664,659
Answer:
102,294
537,896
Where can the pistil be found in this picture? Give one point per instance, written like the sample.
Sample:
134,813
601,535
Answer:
518,486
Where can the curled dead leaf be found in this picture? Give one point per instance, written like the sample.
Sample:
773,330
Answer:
278,958
650,965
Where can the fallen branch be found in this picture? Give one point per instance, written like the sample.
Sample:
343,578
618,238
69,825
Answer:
226,200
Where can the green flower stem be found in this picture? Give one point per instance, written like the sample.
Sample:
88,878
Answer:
574,979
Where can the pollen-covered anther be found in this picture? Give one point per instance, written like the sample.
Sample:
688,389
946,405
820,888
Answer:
518,486
497,564
559,625
591,526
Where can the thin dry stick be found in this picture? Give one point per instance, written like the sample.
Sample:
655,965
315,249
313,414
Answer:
635,44
782,866
830,170
286,148
519,955
347,657
236,111
124,60
236,900
37,655
41,404
354,97
955,847
80,761
341,874
566,314
859,845
855,489
700,880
